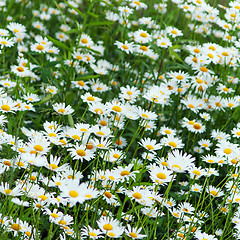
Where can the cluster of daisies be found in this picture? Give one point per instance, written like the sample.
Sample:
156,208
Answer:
117,124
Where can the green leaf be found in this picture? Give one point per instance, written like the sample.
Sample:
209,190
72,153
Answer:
90,49
73,31
52,64
111,5
98,23
174,55
74,8
58,43
93,14
175,47
88,77
70,120
47,98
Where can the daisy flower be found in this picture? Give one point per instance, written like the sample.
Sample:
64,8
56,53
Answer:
160,175
134,232
236,132
125,11
20,71
81,84
215,192
164,42
16,27
5,189
173,32
89,232
73,191
53,164
196,127
39,47
150,144
137,4
16,226
120,142
5,42
51,89
60,108
79,152
7,105
178,161
227,149
111,227
147,115
126,46
186,208
87,97
142,36
172,141
98,108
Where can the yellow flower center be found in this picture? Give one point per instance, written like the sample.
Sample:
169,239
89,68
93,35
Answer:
100,133
5,107
108,194
76,137
40,47
144,48
227,150
53,166
191,105
84,40
133,235
196,172
91,99
103,123
161,176
62,222
197,126
88,196
124,47
203,69
164,164
172,144
38,148
196,50
16,227
107,227
52,135
225,54
98,110
124,173
176,166
7,191
214,193
167,131
137,195
43,197
179,77
54,215
61,110
81,83
116,109
115,155
149,147
20,69
81,152
73,193
92,234
144,35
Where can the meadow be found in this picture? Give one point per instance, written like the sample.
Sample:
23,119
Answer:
119,119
